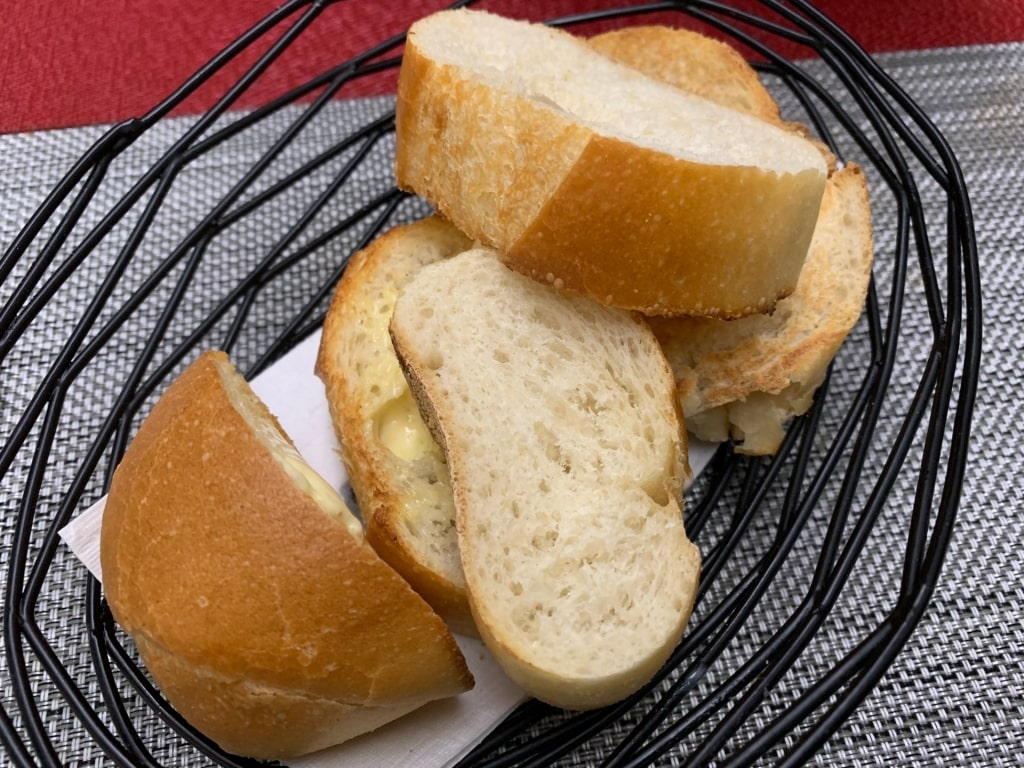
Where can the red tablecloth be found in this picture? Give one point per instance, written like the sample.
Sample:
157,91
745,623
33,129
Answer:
78,63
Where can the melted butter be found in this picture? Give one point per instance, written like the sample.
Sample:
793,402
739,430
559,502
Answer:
400,428
305,478
310,482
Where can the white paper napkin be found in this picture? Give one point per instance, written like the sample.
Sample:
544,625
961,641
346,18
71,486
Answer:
438,734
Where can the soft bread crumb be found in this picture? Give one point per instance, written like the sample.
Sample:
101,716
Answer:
567,463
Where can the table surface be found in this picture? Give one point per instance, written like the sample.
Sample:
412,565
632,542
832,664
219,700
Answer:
952,695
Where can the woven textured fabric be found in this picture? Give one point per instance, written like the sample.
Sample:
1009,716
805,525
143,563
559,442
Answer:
951,695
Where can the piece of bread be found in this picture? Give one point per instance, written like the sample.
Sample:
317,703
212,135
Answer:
567,460
700,65
746,378
396,469
254,601
585,173
790,352
401,480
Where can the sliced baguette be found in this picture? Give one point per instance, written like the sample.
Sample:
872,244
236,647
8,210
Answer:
400,481
567,460
585,173
396,469
254,601
746,378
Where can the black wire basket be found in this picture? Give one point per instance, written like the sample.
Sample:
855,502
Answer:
230,230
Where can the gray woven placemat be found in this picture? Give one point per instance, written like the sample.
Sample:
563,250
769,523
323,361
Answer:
950,697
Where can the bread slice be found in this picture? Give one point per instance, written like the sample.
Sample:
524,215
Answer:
746,378
789,352
703,66
585,173
396,469
567,461
256,604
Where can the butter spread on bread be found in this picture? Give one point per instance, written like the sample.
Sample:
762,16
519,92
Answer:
254,601
567,460
585,173
397,471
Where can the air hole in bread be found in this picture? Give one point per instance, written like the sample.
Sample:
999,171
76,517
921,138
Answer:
545,539
433,359
552,448
636,523
631,394
559,348
586,402
656,490
501,356
546,317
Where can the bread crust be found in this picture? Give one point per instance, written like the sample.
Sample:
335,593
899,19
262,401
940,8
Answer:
254,609
745,378
661,234
362,379
732,276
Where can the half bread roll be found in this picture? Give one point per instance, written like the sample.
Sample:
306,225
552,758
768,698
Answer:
262,614
586,174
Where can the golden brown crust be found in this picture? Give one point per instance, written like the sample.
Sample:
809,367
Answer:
438,114
218,563
542,188
262,723
585,219
353,362
764,369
